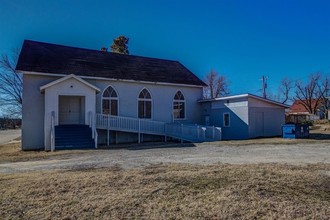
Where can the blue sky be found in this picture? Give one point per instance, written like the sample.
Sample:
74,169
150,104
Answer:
240,39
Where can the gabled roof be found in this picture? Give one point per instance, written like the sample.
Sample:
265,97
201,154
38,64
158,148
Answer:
244,96
42,88
48,58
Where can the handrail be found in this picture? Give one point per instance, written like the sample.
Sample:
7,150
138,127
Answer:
92,125
52,131
95,136
90,119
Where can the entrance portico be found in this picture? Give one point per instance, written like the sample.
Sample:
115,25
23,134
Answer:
68,100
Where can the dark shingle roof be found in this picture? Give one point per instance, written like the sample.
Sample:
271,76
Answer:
58,59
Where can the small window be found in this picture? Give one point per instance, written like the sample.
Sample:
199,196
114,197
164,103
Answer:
110,102
226,119
144,104
179,106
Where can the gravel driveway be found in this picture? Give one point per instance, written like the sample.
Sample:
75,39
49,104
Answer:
206,153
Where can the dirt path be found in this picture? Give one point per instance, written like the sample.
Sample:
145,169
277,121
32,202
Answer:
205,153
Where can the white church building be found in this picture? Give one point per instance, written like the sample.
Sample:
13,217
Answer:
81,98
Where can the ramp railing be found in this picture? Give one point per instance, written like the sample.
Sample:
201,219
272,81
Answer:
183,132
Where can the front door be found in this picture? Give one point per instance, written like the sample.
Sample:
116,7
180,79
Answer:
71,109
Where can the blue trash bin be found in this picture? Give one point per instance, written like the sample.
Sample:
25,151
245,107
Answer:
293,131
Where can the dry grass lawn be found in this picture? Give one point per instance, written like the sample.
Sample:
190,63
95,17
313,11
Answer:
264,191
172,191
314,138
12,153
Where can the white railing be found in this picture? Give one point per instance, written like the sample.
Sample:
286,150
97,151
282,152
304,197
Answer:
193,133
213,133
120,123
152,126
92,125
183,132
52,131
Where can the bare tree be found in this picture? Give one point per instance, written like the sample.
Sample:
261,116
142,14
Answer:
310,94
10,85
325,86
284,90
217,85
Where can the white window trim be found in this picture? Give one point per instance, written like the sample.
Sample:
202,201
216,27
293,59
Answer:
110,98
143,99
223,119
185,106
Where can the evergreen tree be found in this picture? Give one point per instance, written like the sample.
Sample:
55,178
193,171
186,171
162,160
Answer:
119,45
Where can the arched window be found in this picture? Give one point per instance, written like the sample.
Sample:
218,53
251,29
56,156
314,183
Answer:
110,102
144,104
179,106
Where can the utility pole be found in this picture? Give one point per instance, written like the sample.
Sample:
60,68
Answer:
264,86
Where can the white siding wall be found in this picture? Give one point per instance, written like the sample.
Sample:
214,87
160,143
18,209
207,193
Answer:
239,117
238,106
259,103
273,117
249,117
162,99
33,111
37,114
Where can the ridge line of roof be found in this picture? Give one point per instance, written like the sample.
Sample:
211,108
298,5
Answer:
94,50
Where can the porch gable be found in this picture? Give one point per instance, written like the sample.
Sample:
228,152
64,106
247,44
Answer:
66,78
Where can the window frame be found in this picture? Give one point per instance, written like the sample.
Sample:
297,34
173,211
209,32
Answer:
109,99
224,121
180,101
145,100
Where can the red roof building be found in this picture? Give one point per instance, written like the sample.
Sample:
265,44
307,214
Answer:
299,108
298,112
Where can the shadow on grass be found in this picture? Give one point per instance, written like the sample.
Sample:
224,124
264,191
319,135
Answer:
69,148
164,145
147,145
319,136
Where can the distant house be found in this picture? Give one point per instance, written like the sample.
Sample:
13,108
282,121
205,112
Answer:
298,113
81,98
244,116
